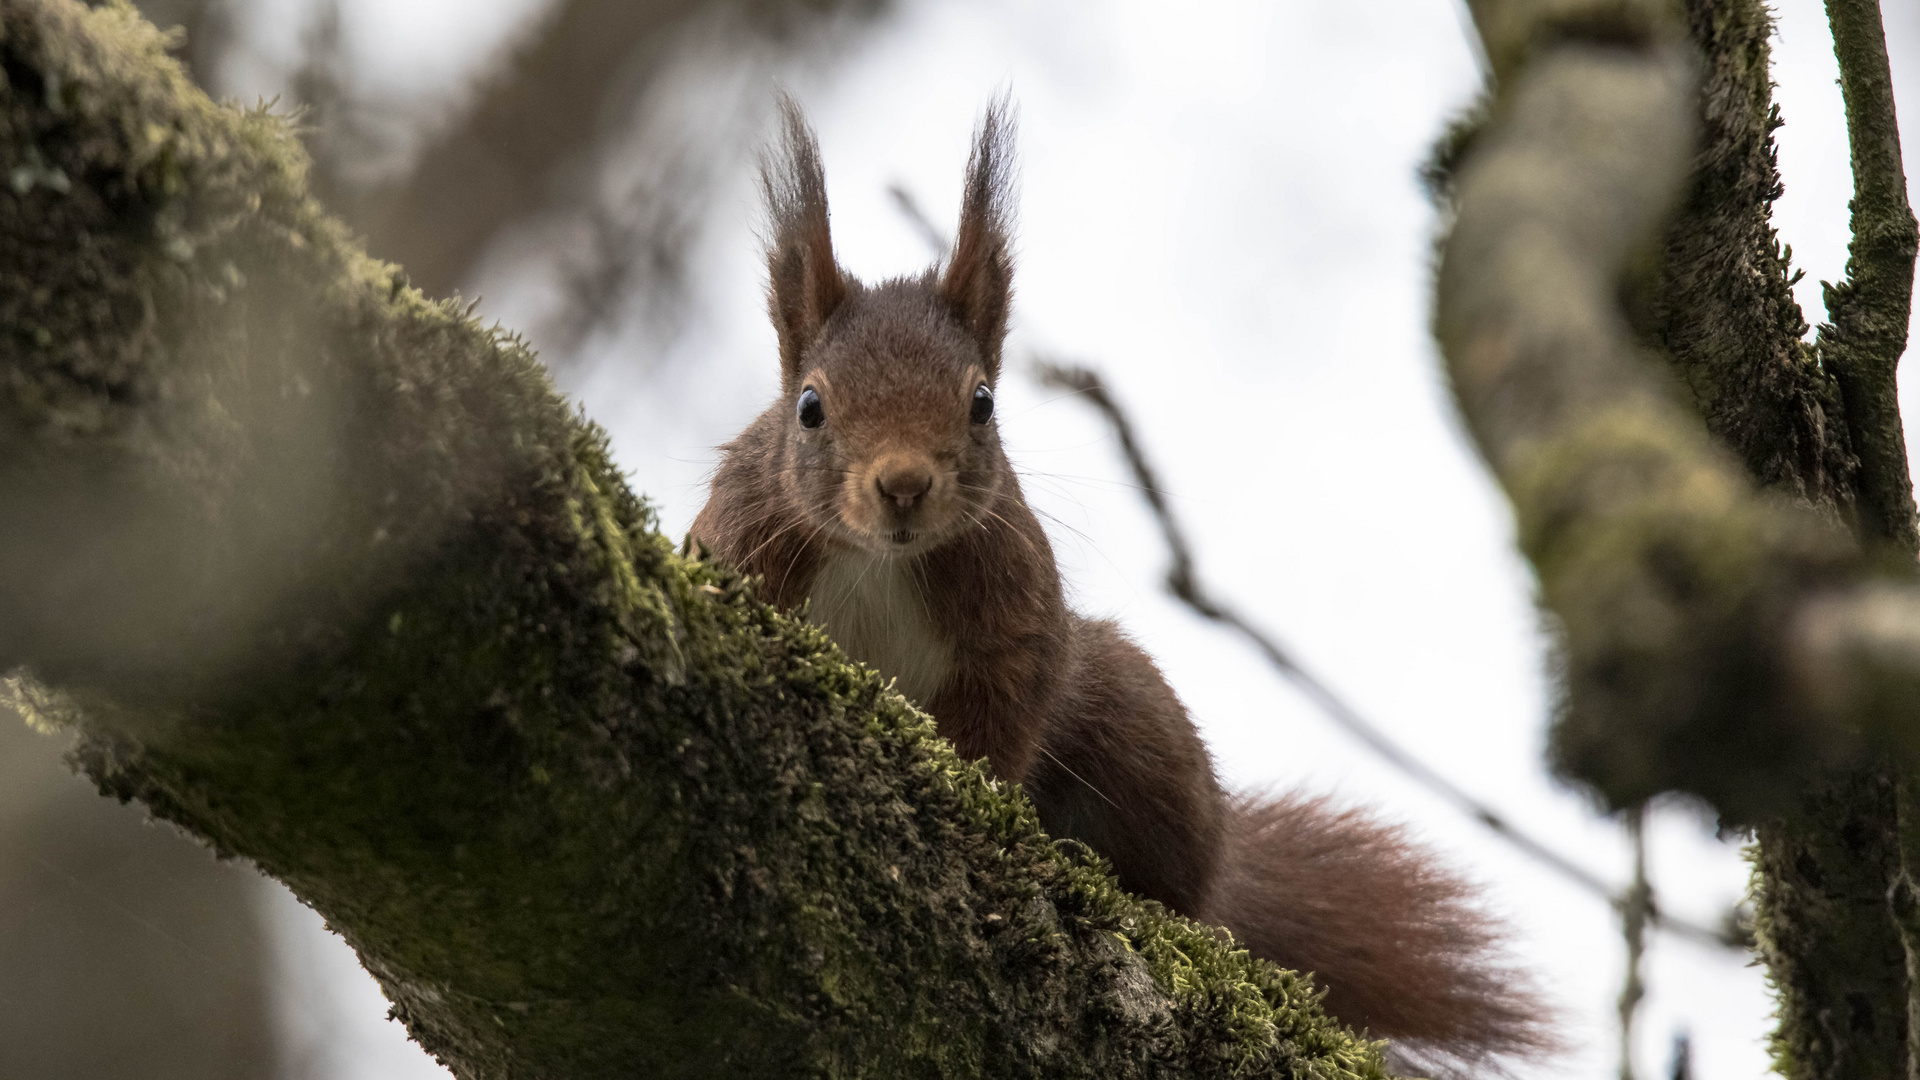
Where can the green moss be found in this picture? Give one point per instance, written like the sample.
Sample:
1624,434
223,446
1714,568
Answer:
1668,580
1727,318
326,573
1723,310
1834,960
1672,584
1870,310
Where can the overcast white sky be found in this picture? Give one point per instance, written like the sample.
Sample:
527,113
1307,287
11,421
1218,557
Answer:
1219,211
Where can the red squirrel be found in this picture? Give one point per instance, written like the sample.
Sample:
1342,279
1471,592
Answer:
874,495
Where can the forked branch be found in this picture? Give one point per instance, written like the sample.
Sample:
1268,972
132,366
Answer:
1868,312
1717,640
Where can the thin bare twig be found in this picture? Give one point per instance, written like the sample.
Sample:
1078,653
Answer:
916,216
1184,583
1682,1066
1636,904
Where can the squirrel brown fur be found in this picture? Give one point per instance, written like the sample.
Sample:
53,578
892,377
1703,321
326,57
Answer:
876,493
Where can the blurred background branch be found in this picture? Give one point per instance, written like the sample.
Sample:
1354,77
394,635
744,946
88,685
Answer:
572,138
125,948
528,142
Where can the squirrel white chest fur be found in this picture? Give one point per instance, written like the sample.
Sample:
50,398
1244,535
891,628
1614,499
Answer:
872,607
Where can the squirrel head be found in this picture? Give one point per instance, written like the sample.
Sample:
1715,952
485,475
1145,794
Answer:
890,442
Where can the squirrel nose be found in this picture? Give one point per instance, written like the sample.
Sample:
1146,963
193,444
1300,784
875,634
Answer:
904,485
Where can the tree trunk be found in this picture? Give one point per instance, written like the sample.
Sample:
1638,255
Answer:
1808,422
327,574
121,943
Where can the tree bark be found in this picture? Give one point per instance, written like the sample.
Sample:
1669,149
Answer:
1819,422
121,943
1707,589
327,574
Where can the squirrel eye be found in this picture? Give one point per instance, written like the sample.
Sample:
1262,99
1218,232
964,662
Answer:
982,404
812,413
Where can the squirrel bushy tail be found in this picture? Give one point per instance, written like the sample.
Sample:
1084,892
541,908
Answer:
1399,942
1396,940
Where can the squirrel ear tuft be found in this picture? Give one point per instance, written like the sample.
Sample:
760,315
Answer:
805,283
978,279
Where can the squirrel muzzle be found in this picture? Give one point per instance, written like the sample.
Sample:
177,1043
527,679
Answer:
899,501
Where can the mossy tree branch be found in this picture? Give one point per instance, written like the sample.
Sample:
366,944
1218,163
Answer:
1861,345
327,574
1709,630
1868,312
1672,580
1723,314
1724,632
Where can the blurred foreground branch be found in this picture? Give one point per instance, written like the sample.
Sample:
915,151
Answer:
327,574
1723,631
1717,640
